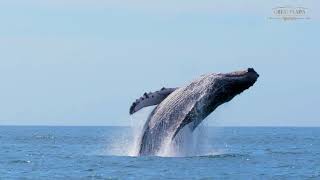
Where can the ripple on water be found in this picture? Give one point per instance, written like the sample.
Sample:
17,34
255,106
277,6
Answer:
285,152
19,161
218,156
89,170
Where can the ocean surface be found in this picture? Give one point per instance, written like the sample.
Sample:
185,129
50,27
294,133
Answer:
35,152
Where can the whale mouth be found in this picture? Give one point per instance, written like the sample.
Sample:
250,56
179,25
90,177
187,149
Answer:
252,72
248,72
248,76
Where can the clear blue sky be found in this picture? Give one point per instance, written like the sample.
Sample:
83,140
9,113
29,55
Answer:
85,62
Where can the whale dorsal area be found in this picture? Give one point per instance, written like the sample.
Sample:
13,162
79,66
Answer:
150,99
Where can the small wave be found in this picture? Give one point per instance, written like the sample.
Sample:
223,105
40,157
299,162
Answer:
36,136
132,166
89,170
95,176
285,152
283,166
224,156
20,161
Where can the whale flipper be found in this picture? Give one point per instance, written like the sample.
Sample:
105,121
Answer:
150,99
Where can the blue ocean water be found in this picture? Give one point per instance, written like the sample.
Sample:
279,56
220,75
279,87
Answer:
102,153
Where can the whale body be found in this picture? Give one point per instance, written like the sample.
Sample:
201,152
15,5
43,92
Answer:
189,105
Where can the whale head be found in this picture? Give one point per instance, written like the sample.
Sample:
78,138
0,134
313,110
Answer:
225,86
236,82
218,89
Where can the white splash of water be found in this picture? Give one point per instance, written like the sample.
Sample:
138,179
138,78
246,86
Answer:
118,146
127,142
188,143
138,120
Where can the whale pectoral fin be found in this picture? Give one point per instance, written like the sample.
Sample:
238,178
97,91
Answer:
150,99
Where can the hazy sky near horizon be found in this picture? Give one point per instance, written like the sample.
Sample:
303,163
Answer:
85,62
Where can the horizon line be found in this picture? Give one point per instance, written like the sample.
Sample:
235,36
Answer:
218,126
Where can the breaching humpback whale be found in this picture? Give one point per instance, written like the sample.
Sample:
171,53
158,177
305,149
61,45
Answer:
189,105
